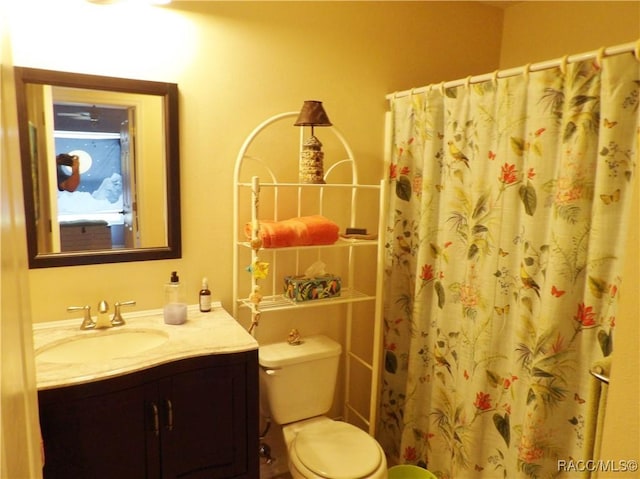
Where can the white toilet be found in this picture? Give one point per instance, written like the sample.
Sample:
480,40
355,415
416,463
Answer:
297,384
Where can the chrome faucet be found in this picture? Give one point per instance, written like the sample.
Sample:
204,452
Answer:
87,321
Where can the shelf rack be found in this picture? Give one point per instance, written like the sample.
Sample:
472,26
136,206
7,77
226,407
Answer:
272,301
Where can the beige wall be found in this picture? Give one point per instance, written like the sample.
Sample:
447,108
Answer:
538,31
238,63
19,434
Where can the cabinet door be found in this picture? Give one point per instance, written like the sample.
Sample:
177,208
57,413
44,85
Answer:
204,427
96,437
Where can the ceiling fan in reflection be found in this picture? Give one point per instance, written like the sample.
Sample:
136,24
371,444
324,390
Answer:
81,115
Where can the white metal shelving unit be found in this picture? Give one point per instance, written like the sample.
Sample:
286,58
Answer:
271,298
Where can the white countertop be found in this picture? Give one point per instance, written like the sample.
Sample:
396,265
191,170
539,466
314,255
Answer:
215,332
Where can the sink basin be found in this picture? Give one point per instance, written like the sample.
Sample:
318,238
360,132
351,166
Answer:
102,346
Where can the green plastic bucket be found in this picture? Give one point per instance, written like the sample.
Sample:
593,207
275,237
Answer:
408,471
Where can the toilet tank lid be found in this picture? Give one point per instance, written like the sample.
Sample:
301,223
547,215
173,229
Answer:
311,348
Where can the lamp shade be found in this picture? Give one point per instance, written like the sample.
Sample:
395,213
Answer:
312,114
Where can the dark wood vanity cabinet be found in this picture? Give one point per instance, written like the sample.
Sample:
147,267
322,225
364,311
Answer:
195,418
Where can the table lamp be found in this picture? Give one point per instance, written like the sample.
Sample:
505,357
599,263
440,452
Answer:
311,157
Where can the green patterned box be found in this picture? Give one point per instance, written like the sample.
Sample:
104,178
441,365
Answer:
302,288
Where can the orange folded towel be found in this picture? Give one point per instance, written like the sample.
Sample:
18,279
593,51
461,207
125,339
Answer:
301,231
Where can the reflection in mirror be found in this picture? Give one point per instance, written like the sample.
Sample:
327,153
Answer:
100,168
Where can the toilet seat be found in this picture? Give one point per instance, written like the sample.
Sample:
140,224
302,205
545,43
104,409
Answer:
336,450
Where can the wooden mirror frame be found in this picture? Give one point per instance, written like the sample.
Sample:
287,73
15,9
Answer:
169,92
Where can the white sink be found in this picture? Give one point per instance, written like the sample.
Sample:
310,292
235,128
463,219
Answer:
101,345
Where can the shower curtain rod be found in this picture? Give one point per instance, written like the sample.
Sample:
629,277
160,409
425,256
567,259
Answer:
597,54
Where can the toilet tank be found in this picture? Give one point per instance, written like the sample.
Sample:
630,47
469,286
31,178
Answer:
298,381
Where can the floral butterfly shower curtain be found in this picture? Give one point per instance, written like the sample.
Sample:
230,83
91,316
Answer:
504,248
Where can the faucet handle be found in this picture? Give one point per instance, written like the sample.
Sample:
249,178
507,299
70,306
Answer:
117,319
87,322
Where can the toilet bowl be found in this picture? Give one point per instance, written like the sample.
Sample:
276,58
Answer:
297,386
321,448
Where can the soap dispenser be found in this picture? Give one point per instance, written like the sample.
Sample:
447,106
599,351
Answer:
205,296
175,308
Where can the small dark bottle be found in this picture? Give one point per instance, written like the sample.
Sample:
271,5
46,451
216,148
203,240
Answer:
205,297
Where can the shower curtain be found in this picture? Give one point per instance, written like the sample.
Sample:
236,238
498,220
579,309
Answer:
504,248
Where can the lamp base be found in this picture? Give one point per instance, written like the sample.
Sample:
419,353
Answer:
311,168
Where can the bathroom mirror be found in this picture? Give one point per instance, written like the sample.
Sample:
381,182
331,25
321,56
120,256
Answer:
100,168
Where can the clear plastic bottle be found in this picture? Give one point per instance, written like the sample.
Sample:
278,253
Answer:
175,308
205,296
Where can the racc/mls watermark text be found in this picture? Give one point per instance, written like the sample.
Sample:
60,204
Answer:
618,465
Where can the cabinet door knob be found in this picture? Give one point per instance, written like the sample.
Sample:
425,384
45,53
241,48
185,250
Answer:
169,408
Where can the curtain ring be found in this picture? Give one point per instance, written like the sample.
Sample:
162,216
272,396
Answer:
527,70
467,82
563,64
494,77
442,88
600,57
636,50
